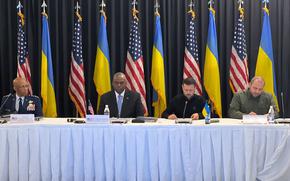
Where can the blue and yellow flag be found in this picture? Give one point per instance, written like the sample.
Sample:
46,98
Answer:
265,61
47,83
211,66
206,110
157,71
102,78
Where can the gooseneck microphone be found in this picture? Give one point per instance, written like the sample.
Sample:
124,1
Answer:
3,103
185,105
283,106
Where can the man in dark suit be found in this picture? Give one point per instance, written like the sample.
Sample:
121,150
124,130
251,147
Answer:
21,102
122,103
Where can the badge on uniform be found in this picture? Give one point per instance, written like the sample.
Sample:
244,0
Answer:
31,106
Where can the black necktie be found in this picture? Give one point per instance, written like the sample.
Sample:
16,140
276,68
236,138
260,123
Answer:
21,109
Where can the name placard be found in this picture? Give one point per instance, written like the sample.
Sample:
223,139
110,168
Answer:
98,119
21,118
254,119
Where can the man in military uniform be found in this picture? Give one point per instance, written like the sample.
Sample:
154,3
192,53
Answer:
21,102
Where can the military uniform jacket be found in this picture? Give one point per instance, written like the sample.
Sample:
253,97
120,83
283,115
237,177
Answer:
28,103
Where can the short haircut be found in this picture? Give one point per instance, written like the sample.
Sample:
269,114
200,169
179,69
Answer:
257,78
189,81
119,74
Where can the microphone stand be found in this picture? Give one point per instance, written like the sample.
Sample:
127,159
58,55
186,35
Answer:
184,109
283,106
4,102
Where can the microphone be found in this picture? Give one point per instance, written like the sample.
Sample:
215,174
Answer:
283,107
4,102
185,105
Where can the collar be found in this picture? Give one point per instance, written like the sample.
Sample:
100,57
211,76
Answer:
250,95
122,94
185,98
17,97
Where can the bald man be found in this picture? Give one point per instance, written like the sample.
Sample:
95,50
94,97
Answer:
21,102
253,101
122,103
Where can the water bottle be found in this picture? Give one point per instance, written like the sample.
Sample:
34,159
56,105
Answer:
271,115
107,110
207,119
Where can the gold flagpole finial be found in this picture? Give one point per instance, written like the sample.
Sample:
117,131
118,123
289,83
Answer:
78,11
134,10
19,7
265,3
266,9
241,9
210,3
191,11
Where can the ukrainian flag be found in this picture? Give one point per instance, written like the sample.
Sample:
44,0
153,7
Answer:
265,62
157,71
47,83
102,78
206,110
211,66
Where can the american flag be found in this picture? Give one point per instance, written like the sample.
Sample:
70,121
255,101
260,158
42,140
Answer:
90,108
134,70
191,62
239,75
76,78
23,68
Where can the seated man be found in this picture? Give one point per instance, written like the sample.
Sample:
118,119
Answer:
186,105
252,101
21,102
122,103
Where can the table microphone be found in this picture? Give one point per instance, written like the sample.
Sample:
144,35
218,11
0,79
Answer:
185,105
283,107
4,102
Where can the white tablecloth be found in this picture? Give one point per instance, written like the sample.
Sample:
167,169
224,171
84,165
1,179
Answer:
69,152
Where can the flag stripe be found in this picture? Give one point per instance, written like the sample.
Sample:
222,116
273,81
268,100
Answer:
211,66
77,78
134,70
238,65
23,67
102,77
239,74
191,69
135,73
191,63
265,61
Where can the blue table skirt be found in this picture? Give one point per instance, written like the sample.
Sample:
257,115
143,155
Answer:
140,152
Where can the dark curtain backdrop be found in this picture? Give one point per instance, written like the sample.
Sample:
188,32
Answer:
173,18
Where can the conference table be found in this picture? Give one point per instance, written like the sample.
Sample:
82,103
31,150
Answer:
52,149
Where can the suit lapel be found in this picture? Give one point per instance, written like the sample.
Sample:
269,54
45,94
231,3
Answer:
13,103
25,103
125,102
114,103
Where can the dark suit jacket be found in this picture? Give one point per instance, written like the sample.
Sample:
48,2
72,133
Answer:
9,106
131,107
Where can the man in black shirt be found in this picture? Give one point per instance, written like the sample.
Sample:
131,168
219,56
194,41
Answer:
186,105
